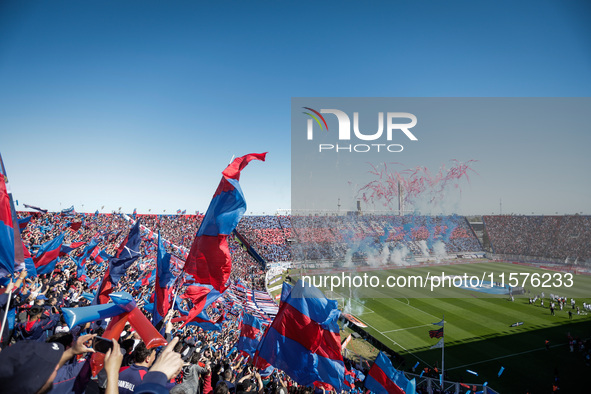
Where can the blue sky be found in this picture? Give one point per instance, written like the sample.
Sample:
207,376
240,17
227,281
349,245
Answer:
141,104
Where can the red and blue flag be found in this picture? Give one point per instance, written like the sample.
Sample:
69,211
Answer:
29,263
22,223
66,249
250,335
163,286
127,254
6,233
81,262
202,320
304,339
201,296
436,333
285,290
11,254
47,256
209,260
383,378
102,256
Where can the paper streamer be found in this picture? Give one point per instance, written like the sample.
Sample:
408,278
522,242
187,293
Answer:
416,365
501,371
472,372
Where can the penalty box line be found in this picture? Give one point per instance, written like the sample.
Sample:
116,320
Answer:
396,343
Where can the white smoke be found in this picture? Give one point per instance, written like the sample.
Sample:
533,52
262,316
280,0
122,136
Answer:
439,251
399,255
424,248
348,258
354,305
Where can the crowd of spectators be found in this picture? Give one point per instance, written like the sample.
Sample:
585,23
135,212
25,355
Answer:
196,361
333,237
556,237
269,235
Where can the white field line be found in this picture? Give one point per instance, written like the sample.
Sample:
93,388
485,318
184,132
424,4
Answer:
507,356
406,328
396,343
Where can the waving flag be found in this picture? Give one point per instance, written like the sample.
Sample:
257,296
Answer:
203,321
66,249
11,253
81,262
68,211
29,263
201,296
164,280
304,339
6,233
250,334
209,260
436,333
22,223
47,255
349,380
285,290
75,226
81,274
35,208
102,256
127,254
383,378
149,278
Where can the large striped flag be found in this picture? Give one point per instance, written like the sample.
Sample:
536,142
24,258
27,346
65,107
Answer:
6,233
304,339
47,256
209,260
383,378
162,287
11,252
250,335
127,254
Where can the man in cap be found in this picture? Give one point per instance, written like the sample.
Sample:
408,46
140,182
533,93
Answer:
29,367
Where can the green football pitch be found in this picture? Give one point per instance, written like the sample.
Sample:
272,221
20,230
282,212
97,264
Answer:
478,332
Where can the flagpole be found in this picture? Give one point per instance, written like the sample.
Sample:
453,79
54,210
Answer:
443,353
5,315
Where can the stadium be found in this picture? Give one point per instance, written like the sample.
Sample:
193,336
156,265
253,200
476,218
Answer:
418,222
494,341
